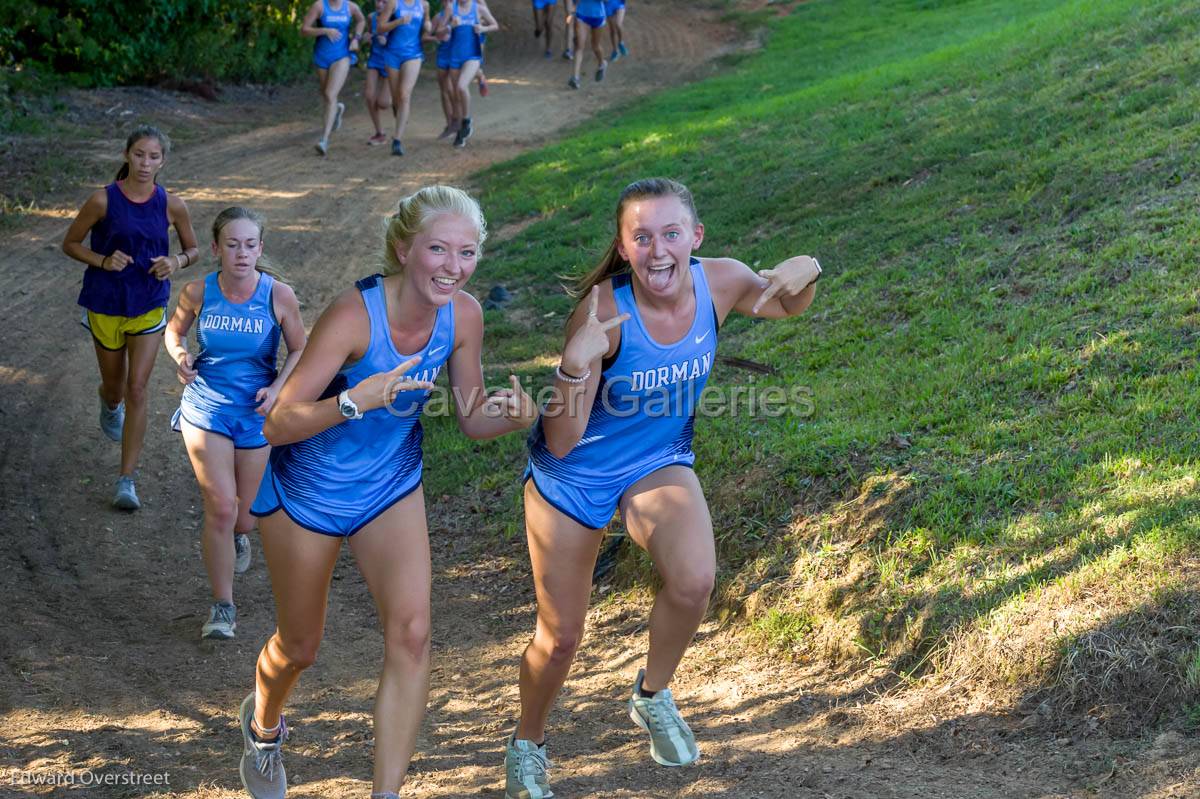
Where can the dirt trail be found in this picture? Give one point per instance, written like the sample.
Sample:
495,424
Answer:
103,672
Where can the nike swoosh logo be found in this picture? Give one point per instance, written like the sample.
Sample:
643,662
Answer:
433,353
590,440
700,339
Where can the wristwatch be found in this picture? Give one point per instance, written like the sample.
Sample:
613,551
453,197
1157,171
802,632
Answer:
347,406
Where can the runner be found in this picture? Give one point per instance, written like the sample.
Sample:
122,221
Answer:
347,465
466,53
407,28
328,21
126,288
590,17
378,93
617,434
230,385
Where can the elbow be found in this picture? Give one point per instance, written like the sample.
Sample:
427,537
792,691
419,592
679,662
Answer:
275,433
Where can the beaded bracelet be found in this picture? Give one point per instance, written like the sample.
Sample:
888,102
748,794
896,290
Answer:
566,378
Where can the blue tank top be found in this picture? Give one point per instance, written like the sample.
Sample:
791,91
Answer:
469,19
591,8
238,346
357,462
143,232
645,405
407,38
339,21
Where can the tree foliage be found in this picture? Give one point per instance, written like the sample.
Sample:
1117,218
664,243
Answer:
111,42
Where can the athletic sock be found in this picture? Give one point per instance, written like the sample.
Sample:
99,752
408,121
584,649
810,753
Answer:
266,736
646,694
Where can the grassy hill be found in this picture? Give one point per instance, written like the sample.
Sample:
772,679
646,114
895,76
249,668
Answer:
997,482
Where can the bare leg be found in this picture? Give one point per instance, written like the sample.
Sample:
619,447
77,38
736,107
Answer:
461,80
142,351
301,564
113,368
249,465
331,86
666,515
563,553
212,458
402,82
393,555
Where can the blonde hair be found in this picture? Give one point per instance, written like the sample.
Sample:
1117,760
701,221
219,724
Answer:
414,212
233,214
612,263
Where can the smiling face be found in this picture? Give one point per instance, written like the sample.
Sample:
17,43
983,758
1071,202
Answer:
145,157
238,247
441,257
657,237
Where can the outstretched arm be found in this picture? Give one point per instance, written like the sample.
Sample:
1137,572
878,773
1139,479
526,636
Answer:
786,290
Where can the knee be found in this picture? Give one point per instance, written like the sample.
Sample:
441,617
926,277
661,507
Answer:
561,645
407,638
135,393
691,589
298,654
222,511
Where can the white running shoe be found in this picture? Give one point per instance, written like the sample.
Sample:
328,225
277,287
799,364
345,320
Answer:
241,553
222,621
671,740
526,770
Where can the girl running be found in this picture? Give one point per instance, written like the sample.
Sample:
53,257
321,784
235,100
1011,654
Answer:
347,465
466,25
126,288
617,434
543,22
406,30
328,21
615,10
590,17
230,385
378,93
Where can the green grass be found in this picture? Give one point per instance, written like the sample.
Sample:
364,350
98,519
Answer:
1002,352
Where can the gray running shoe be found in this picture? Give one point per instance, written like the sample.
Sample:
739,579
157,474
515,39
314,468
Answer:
671,740
112,420
261,768
241,553
222,621
525,769
125,497
337,118
322,147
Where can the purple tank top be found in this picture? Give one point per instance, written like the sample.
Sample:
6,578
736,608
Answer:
141,231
